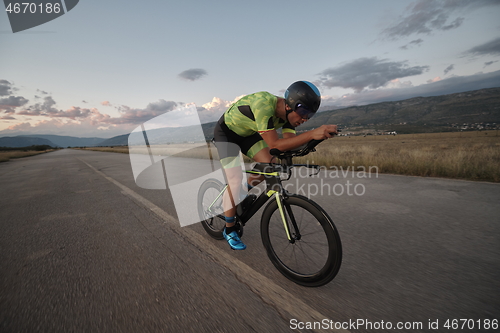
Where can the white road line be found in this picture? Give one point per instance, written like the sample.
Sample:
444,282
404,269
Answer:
289,306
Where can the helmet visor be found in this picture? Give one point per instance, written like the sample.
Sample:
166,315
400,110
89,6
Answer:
304,112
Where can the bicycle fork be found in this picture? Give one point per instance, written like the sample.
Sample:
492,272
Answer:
285,210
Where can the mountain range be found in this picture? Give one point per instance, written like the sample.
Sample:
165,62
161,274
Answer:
419,114
472,109
51,140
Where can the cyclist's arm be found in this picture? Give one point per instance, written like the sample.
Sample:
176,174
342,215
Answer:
294,141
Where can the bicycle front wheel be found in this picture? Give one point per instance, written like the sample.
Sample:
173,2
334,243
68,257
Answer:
314,255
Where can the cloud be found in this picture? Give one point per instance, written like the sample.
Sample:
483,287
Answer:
161,106
5,88
217,104
138,116
42,92
72,113
426,16
8,118
60,126
398,84
449,69
436,79
413,42
492,48
12,101
86,122
105,103
367,73
214,109
417,41
490,63
193,74
453,84
46,108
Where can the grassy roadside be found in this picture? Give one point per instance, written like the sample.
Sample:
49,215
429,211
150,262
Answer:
118,149
7,155
461,155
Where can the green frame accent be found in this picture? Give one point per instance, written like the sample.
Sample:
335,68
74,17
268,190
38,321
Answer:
275,174
283,218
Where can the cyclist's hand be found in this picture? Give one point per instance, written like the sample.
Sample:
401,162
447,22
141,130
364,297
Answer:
324,132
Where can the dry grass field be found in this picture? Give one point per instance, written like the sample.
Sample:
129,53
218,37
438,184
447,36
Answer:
462,155
119,149
7,155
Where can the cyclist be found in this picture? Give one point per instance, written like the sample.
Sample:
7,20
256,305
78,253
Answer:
250,125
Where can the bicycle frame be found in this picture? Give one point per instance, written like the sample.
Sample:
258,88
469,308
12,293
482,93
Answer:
273,188
289,255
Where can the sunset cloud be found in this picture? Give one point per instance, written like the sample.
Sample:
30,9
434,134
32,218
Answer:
379,80
436,79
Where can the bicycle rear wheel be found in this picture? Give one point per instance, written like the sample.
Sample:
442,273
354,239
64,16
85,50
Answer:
210,208
315,256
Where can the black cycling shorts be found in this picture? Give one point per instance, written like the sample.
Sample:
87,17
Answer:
229,144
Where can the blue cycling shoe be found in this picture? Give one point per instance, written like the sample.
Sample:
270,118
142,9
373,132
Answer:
234,240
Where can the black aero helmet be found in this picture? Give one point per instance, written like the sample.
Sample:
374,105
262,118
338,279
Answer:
303,96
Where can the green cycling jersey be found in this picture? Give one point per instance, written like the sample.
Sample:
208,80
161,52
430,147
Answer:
255,113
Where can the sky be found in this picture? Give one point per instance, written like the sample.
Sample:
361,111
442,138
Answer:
106,67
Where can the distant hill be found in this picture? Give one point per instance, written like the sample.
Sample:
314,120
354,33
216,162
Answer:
19,141
68,141
54,141
419,113
121,140
164,135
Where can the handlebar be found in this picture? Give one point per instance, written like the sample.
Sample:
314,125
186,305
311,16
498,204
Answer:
301,151
285,158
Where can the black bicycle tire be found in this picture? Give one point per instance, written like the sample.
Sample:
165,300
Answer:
208,184
334,258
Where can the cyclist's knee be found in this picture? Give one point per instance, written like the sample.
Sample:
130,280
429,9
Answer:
234,178
263,156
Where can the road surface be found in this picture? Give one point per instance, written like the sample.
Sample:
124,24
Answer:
83,248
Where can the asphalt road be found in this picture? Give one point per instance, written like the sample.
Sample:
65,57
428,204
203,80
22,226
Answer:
83,249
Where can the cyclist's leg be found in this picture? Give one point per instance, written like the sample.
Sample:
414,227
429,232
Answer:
230,198
227,143
263,156
259,152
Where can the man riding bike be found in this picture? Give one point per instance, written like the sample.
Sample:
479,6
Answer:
251,125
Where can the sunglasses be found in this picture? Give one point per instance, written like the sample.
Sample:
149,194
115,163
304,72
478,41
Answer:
304,112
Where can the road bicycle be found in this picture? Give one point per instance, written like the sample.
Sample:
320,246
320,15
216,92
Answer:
300,238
